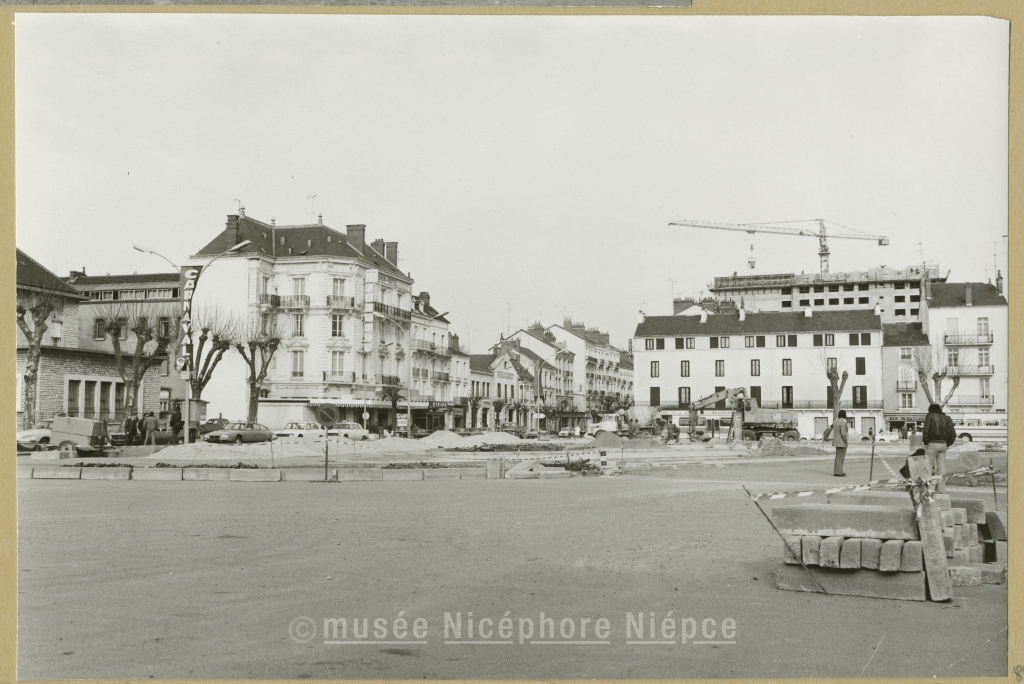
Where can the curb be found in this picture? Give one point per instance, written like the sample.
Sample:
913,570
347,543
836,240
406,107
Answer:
186,474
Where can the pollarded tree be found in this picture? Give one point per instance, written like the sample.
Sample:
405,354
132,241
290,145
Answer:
34,311
258,339
836,382
393,393
214,333
141,334
933,367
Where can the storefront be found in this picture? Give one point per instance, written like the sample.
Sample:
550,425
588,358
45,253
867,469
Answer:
897,421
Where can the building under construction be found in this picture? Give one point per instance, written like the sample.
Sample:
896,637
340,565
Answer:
897,292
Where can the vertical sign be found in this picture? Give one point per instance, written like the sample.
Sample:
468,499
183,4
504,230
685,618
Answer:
186,286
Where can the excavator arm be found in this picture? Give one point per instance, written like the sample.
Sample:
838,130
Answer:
708,402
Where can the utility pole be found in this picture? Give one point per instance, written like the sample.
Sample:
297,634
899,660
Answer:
311,198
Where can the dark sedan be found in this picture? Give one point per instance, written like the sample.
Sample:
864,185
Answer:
239,433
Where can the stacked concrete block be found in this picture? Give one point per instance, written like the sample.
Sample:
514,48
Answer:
534,470
859,549
868,543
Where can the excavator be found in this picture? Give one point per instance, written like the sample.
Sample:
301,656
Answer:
749,422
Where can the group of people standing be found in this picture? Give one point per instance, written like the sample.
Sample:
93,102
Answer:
142,430
938,434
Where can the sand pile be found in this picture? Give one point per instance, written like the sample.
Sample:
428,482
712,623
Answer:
444,439
492,438
771,448
609,440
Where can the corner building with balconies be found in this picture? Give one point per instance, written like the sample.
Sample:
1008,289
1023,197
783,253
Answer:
350,325
779,358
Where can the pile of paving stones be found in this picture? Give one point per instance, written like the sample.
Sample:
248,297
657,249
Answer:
869,543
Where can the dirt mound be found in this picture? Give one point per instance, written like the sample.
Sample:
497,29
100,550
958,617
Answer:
642,444
493,438
444,439
607,440
773,448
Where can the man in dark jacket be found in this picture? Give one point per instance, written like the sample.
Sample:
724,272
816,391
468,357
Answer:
130,432
938,434
840,432
176,424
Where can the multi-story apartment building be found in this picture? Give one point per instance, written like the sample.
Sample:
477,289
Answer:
157,293
904,399
779,358
896,292
539,348
461,383
344,310
71,379
479,406
595,365
968,328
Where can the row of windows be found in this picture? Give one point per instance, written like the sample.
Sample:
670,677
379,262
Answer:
787,366
299,364
299,325
754,341
859,396
99,330
848,287
119,295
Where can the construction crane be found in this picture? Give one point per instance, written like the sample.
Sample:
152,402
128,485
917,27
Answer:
822,234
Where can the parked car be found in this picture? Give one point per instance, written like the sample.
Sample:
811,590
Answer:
531,434
163,434
213,424
299,428
36,438
417,432
241,432
353,431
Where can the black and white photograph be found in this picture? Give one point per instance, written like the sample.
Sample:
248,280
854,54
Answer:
453,346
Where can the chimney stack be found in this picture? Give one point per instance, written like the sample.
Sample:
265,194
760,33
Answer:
391,252
425,298
967,295
320,219
378,246
999,282
808,312
356,235
878,309
743,315
641,317
231,239
703,316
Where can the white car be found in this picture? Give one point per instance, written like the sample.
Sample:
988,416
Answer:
353,431
39,435
565,432
298,428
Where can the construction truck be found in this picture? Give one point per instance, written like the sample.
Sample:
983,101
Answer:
748,422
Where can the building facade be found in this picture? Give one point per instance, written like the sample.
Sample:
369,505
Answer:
70,380
596,372
779,358
896,292
968,329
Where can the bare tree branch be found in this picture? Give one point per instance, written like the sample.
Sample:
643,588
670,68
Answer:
140,333
257,339
34,310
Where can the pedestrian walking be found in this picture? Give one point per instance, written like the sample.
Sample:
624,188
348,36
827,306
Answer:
938,434
576,431
176,424
840,432
150,423
130,430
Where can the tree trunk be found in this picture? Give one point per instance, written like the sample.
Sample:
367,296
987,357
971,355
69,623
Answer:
28,403
254,401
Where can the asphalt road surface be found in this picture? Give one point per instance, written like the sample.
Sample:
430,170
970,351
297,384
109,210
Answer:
132,580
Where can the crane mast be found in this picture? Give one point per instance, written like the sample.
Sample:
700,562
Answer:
822,234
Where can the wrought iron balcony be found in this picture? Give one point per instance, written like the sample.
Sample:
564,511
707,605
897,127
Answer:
392,311
957,340
388,380
844,404
906,385
442,377
270,300
340,302
972,400
295,301
421,373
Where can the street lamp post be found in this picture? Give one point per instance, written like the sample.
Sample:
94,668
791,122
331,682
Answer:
187,320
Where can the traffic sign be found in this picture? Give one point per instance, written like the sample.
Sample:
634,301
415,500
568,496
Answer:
366,415
179,363
327,415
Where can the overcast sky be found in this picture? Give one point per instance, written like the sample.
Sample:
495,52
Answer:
527,166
